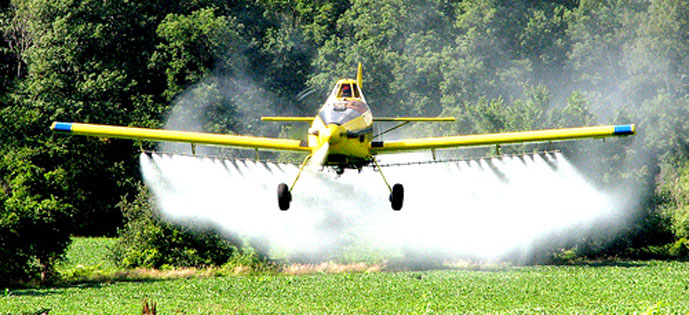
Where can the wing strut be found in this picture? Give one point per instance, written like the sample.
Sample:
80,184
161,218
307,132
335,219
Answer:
391,129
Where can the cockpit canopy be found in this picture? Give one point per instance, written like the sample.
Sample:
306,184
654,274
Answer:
346,89
346,102
340,112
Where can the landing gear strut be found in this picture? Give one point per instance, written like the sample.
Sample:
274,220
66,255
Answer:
396,191
285,193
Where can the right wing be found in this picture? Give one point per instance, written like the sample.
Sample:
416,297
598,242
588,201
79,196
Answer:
395,119
107,131
550,135
414,119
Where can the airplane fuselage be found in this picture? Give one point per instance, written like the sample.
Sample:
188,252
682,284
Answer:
345,124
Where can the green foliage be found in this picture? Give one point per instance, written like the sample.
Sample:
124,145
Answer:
677,250
34,228
147,240
195,43
69,77
495,65
89,252
674,193
614,288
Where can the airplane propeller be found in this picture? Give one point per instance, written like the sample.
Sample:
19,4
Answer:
318,158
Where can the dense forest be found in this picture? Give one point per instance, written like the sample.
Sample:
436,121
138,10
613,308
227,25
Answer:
495,65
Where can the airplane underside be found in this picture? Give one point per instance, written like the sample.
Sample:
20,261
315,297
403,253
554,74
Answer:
340,162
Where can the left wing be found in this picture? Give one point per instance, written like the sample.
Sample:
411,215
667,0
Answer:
107,131
549,135
287,118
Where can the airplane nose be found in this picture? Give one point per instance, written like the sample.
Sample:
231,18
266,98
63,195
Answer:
334,134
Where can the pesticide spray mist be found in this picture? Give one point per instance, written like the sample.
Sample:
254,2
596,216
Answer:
480,208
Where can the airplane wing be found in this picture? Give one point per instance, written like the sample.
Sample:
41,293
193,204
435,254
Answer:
549,135
107,131
413,119
394,119
287,118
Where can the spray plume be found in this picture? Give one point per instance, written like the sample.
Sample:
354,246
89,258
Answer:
480,208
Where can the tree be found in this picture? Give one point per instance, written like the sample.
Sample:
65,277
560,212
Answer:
193,44
397,42
35,224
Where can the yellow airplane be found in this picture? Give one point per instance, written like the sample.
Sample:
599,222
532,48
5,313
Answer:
341,137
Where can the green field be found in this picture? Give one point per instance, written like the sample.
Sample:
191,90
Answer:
625,287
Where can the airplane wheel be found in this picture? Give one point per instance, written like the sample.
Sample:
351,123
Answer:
397,197
284,197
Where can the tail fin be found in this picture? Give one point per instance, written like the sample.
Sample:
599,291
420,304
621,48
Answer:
359,76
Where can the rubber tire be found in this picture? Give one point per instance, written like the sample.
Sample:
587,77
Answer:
284,197
397,197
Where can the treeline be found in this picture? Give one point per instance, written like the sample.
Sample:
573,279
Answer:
495,65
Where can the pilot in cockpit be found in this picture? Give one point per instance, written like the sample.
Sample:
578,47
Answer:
345,91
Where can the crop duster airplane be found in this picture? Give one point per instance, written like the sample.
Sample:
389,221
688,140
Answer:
341,137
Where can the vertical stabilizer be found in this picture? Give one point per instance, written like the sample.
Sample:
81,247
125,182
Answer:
359,76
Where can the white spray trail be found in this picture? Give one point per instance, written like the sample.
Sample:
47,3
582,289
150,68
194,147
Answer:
483,208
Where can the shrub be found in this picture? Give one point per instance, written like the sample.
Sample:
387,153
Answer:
673,193
34,224
147,240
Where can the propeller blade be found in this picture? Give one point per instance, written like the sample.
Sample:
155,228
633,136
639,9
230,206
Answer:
318,158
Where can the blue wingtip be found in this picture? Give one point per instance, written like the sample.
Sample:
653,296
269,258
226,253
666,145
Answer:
62,127
622,130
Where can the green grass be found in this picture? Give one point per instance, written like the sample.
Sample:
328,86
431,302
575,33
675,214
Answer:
629,287
89,252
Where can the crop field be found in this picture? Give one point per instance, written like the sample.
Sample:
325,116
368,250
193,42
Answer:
651,287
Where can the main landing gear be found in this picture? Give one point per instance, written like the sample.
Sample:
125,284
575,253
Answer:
396,191
285,193
284,197
397,197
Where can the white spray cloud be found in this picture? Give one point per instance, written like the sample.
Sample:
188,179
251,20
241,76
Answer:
484,208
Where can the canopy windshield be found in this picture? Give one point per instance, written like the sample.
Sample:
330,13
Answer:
341,112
